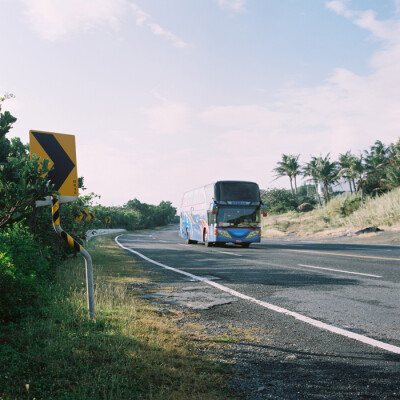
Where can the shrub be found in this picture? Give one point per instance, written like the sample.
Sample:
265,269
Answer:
349,205
23,271
278,200
305,207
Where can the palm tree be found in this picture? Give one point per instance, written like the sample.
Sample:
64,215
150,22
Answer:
346,161
356,171
327,174
310,170
391,168
377,155
360,172
289,166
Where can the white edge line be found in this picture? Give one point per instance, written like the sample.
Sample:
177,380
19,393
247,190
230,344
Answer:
339,270
307,320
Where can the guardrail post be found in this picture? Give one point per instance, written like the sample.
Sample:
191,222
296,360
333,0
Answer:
73,243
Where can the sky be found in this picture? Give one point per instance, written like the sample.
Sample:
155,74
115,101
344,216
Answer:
167,95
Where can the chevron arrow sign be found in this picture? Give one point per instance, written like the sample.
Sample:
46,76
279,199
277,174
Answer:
60,150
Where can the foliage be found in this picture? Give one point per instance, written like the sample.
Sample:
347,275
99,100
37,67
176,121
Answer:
327,174
373,172
350,204
29,244
305,207
281,200
24,270
134,215
391,168
290,167
21,180
278,200
346,163
340,215
131,351
377,155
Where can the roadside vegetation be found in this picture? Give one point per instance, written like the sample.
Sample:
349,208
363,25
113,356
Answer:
131,351
29,247
48,347
341,215
347,194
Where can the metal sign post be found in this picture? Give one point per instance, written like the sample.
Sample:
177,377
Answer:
60,150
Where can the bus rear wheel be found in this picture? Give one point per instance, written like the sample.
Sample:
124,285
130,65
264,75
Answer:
206,242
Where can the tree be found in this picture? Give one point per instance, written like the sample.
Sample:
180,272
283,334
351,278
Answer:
21,179
290,167
391,168
346,163
311,170
327,174
354,170
360,172
377,155
278,200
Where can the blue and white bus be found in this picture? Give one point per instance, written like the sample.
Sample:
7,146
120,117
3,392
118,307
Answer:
222,212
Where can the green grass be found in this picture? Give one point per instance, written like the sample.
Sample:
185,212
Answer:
129,352
340,214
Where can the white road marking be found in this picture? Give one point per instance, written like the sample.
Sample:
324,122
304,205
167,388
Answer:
307,320
227,252
339,270
214,251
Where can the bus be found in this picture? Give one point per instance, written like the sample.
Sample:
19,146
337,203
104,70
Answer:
222,212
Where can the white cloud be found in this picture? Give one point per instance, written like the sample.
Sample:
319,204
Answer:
53,19
144,20
168,118
386,30
235,6
339,7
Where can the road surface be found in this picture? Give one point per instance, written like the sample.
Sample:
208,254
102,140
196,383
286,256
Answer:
329,313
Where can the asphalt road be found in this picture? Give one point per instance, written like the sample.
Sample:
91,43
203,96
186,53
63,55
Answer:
330,312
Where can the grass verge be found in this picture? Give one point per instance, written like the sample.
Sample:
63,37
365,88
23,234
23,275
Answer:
130,352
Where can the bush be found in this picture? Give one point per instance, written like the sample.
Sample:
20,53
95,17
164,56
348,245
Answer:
350,204
278,201
23,271
305,207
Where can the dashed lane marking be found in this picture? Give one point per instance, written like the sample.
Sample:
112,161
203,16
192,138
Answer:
343,255
339,270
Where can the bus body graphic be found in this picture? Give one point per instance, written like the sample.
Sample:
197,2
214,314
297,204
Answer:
222,212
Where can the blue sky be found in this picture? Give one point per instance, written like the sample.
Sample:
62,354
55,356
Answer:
167,95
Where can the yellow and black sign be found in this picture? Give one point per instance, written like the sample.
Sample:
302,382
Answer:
108,220
60,150
85,214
